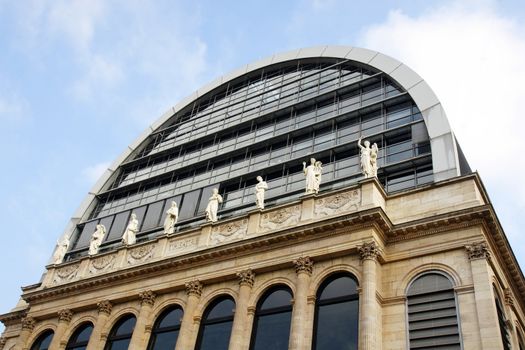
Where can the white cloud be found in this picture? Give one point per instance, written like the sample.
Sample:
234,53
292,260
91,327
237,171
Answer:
94,172
13,109
472,57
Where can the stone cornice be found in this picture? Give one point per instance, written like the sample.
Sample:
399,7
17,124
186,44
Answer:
13,317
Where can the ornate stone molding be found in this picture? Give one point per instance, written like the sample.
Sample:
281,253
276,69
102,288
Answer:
147,297
281,218
509,300
140,254
102,264
104,307
65,315
303,265
478,250
246,277
337,203
193,288
251,310
2,342
369,251
66,273
229,231
28,323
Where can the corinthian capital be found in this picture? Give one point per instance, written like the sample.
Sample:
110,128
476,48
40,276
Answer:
104,307
303,265
369,250
246,277
28,323
194,288
65,315
478,250
147,297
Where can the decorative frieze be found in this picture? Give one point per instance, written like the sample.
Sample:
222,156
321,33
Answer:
338,203
104,307
147,297
229,231
66,273
28,323
65,315
140,254
194,288
369,250
182,245
303,265
102,264
478,250
281,218
246,277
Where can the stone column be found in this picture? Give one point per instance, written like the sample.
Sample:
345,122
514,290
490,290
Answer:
97,341
64,317
188,333
479,256
368,316
140,335
299,331
238,337
28,324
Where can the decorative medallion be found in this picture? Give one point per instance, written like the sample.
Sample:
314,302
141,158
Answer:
140,254
147,297
303,265
340,202
104,307
281,218
102,264
65,315
246,277
478,250
369,250
194,288
66,273
229,231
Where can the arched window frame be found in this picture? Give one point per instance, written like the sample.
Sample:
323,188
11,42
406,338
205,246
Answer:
37,344
318,304
74,335
502,320
156,330
281,309
205,321
112,337
453,285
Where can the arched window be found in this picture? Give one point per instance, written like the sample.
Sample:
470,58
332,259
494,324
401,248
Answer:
271,327
166,329
43,340
505,336
216,327
336,314
432,313
80,337
120,335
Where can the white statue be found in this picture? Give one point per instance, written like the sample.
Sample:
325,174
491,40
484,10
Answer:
368,158
61,250
96,239
260,189
313,176
129,236
213,206
172,215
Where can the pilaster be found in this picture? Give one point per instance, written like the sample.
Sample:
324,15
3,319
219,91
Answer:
299,330
187,334
64,317
96,341
238,336
368,316
140,335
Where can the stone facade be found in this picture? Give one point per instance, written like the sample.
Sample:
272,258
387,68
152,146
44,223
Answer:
385,241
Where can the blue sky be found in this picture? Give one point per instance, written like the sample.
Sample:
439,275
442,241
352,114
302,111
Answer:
81,79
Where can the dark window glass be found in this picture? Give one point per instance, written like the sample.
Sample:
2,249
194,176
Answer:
271,329
121,333
140,215
80,337
337,314
153,215
215,330
505,336
120,223
43,341
432,314
189,204
85,236
166,329
206,194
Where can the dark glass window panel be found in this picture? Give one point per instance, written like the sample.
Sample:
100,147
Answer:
166,330
428,283
107,222
171,319
340,287
80,337
122,344
119,224
223,308
85,235
126,327
215,331
166,340
140,214
121,333
206,194
43,341
276,299
272,331
153,215
189,204
337,326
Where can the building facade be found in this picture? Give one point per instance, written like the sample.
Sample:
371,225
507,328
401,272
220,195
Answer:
411,257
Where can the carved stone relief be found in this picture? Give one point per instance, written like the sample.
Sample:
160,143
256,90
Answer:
102,264
281,218
229,231
182,245
140,254
66,273
338,203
